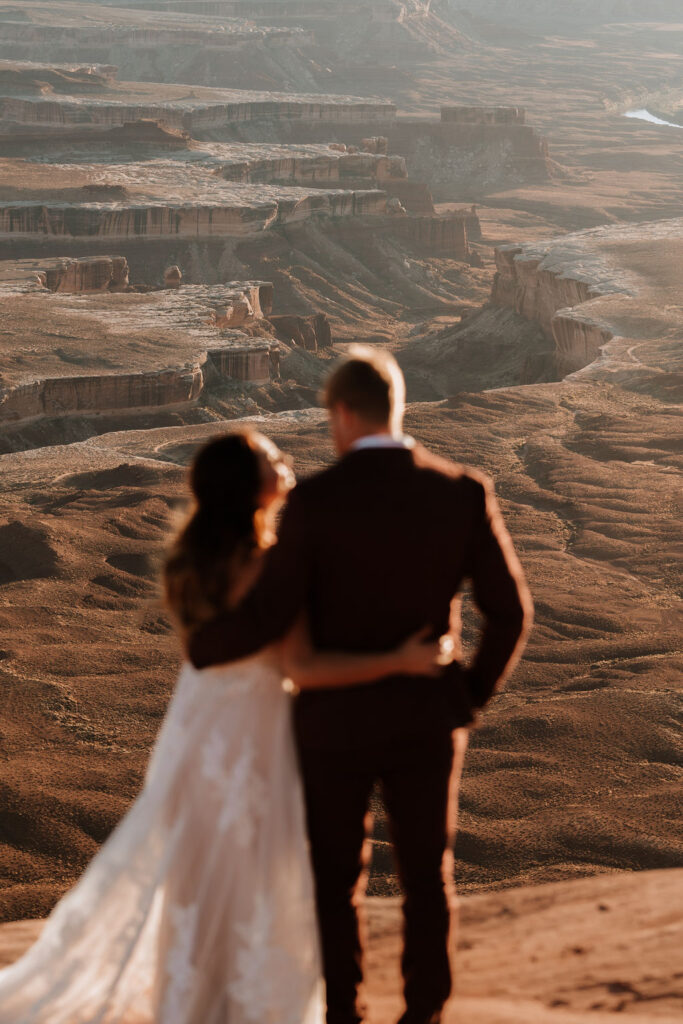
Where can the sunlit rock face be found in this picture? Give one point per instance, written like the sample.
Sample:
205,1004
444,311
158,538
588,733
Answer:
547,283
167,198
589,291
100,100
128,350
483,115
310,332
447,235
248,214
85,274
467,153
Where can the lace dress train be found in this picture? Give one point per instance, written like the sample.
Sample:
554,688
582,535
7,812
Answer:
199,907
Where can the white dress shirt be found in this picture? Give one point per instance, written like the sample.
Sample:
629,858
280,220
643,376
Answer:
382,441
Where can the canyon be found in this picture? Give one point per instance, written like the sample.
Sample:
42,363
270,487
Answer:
202,203
136,351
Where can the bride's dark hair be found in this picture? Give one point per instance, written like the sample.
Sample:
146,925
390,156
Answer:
222,532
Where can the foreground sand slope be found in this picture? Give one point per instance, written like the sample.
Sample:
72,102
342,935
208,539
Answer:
564,952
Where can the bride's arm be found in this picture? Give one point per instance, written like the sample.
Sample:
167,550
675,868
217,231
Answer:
310,669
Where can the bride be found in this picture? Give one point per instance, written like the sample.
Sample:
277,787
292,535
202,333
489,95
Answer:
199,907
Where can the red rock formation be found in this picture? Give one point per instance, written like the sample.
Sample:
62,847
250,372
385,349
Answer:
470,154
102,393
556,285
89,274
534,290
172,277
446,235
483,115
198,116
375,144
249,363
153,219
356,170
309,332
415,196
62,274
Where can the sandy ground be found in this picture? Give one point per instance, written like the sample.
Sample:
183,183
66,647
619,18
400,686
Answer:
562,953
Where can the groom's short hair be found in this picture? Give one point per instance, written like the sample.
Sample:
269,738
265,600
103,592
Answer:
369,381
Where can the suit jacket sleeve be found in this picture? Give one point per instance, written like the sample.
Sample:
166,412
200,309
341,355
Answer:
502,596
270,608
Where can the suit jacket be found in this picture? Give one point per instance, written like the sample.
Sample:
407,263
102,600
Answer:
373,549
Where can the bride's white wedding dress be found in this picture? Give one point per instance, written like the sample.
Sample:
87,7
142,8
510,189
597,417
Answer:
199,908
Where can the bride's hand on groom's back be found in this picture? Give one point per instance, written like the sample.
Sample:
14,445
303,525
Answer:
420,656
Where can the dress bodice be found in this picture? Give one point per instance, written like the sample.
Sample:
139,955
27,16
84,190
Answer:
262,666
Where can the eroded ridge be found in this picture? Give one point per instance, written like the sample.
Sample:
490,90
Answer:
111,348
597,294
163,198
102,100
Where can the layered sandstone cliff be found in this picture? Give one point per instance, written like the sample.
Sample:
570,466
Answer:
545,283
133,351
468,153
204,109
249,211
569,287
85,274
310,332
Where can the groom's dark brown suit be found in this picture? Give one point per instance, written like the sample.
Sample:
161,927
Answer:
372,550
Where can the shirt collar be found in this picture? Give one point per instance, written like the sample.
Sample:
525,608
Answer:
382,441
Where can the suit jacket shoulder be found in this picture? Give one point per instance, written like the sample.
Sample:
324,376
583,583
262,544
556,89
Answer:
470,482
311,488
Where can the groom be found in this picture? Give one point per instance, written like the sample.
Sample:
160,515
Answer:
373,549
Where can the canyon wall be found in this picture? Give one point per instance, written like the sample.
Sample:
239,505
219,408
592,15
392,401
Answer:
91,394
84,274
248,363
536,291
470,152
438,235
471,156
67,396
206,331
553,285
236,53
483,115
194,116
310,332
89,274
154,220
349,169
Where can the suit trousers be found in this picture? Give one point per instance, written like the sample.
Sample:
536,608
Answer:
419,780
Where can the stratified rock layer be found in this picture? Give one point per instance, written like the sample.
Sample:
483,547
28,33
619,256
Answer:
87,274
578,287
112,103
125,351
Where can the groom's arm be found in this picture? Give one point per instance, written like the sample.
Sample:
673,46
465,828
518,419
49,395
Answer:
270,607
502,595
